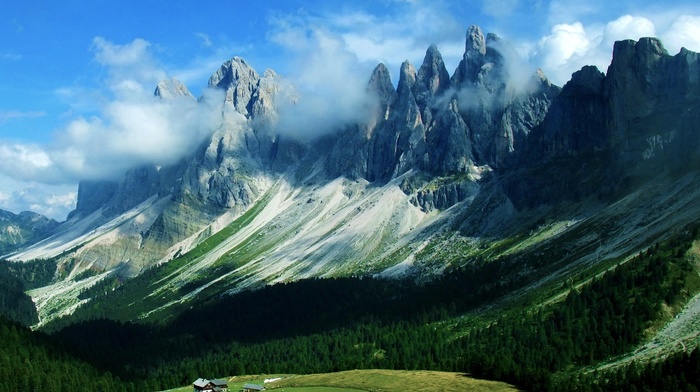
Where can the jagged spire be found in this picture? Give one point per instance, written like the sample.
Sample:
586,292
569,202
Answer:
380,83
476,44
407,77
474,53
432,75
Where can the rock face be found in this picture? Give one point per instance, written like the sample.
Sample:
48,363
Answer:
642,115
486,139
17,230
653,100
171,89
480,116
445,125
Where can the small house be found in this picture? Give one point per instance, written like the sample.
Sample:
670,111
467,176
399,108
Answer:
204,385
220,385
252,388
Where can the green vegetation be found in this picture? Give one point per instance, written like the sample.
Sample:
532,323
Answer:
332,325
128,300
15,280
370,380
389,381
33,361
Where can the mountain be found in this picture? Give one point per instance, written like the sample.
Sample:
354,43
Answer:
17,230
443,170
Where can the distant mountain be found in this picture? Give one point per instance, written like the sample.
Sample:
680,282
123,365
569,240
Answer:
17,230
443,170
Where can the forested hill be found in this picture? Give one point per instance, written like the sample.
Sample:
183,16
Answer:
32,361
329,325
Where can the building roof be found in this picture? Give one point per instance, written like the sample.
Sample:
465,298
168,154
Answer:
200,382
254,387
219,383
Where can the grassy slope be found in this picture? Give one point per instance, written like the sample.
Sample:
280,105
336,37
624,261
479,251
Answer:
373,380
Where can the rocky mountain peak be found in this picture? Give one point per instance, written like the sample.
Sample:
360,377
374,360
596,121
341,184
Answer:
588,80
380,83
17,230
232,72
474,53
407,77
432,75
476,43
639,54
239,80
541,77
172,88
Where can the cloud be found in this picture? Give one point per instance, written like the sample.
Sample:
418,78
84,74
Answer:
562,50
17,115
21,161
626,27
569,47
131,68
130,126
333,53
51,201
499,8
329,84
684,31
206,41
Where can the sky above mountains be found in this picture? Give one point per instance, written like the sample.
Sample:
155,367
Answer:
77,78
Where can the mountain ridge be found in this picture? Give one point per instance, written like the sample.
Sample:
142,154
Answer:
480,164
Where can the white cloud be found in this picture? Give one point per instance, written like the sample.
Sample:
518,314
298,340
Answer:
329,82
16,114
206,41
22,161
569,47
684,31
626,27
404,33
131,69
130,126
51,201
108,53
332,56
563,51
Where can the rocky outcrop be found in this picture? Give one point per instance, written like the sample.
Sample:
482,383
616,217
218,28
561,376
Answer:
639,118
473,59
18,230
439,193
171,89
93,195
575,122
653,103
445,125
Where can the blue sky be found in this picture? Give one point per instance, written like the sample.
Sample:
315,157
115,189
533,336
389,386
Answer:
76,77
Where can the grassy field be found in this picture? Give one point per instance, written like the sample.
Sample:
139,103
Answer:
371,380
